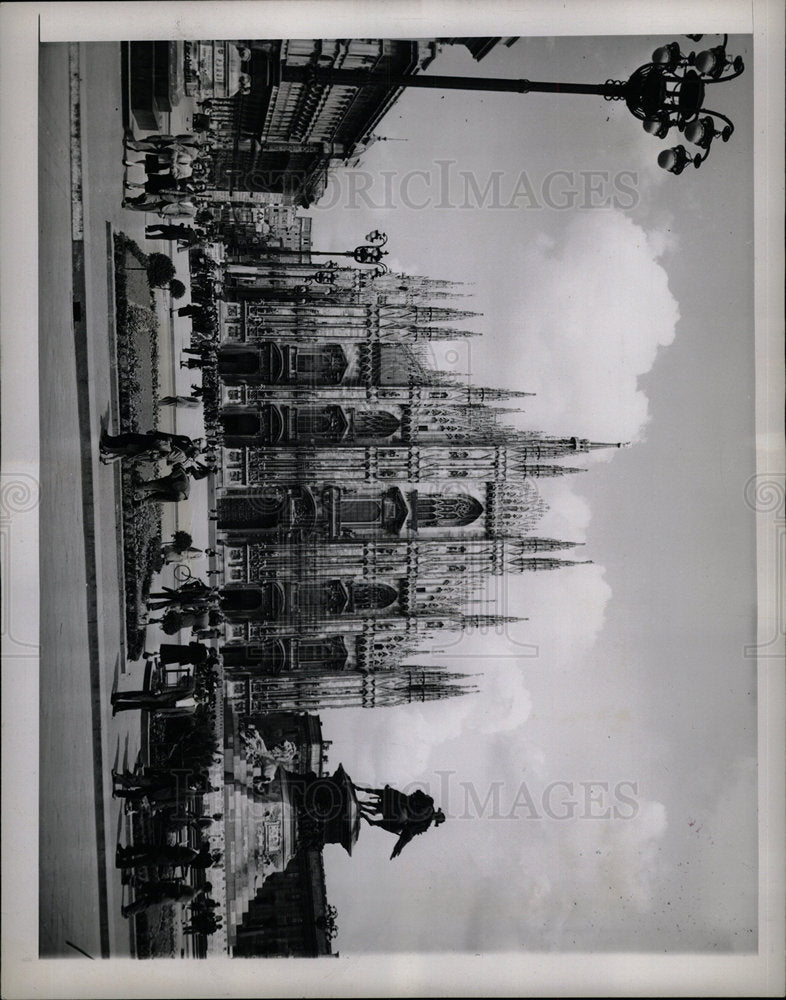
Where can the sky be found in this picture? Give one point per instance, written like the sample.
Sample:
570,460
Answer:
601,786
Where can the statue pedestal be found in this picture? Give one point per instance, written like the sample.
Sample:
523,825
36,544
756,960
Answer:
329,806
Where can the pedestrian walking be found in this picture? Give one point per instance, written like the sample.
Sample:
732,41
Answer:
166,855
180,696
172,232
175,553
173,621
131,445
165,489
191,402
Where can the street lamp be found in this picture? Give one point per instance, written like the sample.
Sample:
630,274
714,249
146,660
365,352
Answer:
672,89
664,93
676,159
370,252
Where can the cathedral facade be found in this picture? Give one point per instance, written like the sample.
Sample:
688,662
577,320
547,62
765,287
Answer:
364,496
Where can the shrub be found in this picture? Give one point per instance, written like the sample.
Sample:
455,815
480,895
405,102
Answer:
176,288
160,270
181,541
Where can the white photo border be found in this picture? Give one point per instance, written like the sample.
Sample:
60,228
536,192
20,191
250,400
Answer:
24,974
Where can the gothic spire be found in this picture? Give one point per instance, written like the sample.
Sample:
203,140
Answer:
540,562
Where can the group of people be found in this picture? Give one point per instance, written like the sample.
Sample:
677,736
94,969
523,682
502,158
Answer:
205,623
205,336
157,869
166,175
186,237
199,357
178,450
191,689
159,789
176,169
193,595
194,605
202,352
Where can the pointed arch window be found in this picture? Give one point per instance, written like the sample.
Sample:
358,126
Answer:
373,596
330,652
375,424
321,364
326,423
448,511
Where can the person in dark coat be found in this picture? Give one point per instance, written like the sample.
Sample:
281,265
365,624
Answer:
169,231
182,442
192,309
203,923
151,446
172,488
130,444
178,696
166,855
182,654
192,595
142,781
142,784
173,621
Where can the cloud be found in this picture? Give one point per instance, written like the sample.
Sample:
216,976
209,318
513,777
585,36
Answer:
408,742
566,610
593,312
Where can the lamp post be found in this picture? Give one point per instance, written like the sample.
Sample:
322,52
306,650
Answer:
324,277
667,92
370,252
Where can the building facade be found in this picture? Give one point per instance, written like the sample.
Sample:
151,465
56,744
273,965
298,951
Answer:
278,138
364,498
247,229
287,918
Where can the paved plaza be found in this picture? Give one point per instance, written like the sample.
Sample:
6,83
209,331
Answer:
83,653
